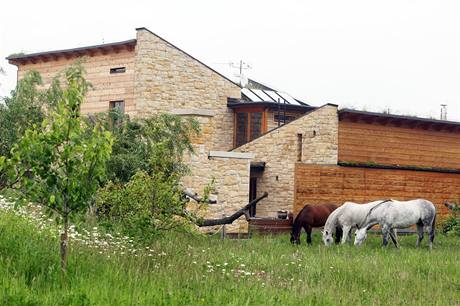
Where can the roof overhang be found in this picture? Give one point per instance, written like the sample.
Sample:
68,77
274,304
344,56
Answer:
239,104
398,120
115,47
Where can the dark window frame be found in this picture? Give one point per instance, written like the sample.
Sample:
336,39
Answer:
248,131
116,70
114,104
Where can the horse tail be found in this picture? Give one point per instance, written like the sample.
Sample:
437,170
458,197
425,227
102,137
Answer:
433,225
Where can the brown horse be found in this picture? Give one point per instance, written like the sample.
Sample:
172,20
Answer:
312,216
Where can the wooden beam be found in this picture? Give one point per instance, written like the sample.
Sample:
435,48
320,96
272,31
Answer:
233,217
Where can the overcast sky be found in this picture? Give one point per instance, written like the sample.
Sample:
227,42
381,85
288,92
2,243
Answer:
398,54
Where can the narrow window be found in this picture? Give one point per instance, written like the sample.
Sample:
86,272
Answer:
299,147
117,70
241,128
119,105
256,125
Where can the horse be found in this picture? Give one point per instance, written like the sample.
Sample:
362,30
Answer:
310,216
347,217
400,214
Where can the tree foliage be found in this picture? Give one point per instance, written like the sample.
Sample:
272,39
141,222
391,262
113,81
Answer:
152,199
451,226
61,162
21,110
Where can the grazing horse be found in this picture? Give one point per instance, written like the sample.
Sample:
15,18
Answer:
348,216
400,214
310,216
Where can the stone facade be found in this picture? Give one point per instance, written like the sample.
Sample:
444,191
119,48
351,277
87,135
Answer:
231,182
167,79
279,150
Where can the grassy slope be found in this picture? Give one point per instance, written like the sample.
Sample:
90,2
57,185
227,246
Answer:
191,272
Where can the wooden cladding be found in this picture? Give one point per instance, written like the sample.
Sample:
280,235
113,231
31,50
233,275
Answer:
390,145
316,184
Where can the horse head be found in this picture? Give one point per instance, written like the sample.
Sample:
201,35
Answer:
327,237
360,236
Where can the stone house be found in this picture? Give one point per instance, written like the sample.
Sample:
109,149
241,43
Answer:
256,139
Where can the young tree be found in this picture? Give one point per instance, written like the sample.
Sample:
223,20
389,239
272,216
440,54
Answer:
60,163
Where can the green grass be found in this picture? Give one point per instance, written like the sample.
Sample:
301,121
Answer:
179,272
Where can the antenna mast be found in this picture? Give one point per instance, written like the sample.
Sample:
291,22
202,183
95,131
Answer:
443,111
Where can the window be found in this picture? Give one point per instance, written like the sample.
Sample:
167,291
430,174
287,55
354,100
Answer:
120,105
299,147
241,128
248,126
256,125
117,70
281,118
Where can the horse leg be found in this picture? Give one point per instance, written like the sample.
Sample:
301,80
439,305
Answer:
346,231
394,236
431,230
419,233
308,229
385,233
338,234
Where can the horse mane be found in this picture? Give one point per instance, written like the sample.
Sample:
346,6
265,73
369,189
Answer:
371,210
333,218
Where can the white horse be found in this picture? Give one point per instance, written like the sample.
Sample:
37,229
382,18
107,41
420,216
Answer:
348,216
400,214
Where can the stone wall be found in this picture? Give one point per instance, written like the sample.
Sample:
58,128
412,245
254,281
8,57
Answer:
230,172
106,87
279,150
167,79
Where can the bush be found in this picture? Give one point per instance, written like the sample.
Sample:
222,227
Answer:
144,196
143,207
451,226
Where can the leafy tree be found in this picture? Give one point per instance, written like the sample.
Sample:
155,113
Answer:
152,200
129,150
21,111
155,144
60,163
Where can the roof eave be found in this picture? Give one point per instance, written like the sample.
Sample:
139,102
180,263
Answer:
351,114
80,51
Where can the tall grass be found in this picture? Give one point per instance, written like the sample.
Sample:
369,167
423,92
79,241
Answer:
190,270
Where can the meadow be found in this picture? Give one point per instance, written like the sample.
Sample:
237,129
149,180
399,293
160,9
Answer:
184,269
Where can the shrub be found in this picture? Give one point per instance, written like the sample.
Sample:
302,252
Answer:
150,201
142,208
451,225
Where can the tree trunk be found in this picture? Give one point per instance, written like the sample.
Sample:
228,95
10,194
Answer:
236,215
64,246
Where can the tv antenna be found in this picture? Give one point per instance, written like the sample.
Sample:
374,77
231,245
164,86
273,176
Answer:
240,66
443,111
